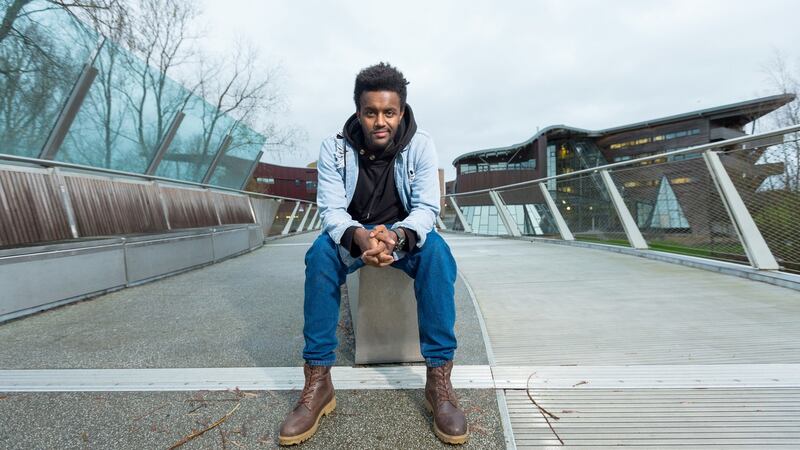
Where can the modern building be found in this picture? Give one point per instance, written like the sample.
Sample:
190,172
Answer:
283,181
661,197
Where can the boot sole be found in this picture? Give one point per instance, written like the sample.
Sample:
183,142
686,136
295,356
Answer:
444,437
292,440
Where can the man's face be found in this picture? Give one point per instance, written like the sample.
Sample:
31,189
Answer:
380,114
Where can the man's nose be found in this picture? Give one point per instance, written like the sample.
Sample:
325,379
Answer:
380,121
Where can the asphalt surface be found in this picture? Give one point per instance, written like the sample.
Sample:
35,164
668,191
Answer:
243,312
157,420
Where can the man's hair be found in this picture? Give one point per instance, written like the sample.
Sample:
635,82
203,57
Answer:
380,77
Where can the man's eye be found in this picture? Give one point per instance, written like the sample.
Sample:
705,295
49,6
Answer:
389,113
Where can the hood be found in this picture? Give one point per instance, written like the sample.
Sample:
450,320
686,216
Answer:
354,135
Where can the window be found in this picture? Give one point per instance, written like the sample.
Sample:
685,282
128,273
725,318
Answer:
265,180
298,183
660,137
311,186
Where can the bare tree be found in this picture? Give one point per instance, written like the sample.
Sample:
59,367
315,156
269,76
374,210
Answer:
785,77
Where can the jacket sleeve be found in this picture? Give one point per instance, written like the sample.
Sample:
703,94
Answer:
331,195
425,194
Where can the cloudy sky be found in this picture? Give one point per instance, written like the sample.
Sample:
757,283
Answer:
487,74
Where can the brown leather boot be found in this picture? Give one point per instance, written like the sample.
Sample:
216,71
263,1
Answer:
316,400
449,421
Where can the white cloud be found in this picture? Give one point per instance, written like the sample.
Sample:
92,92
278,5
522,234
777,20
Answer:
486,74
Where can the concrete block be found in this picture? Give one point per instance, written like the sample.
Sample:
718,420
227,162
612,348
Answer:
384,311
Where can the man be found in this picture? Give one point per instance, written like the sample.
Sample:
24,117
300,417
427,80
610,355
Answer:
378,196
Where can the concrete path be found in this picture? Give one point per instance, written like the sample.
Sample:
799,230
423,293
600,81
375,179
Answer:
635,352
109,362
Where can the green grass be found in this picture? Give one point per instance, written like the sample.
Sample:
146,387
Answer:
671,247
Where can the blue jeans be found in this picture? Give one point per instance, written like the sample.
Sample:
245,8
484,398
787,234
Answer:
434,272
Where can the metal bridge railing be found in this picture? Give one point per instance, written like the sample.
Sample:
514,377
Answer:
736,200
46,201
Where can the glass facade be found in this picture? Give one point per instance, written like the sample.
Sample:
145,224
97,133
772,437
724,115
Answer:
126,114
39,64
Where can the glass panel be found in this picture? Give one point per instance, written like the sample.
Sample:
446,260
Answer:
196,142
677,207
40,61
768,180
586,207
235,165
127,113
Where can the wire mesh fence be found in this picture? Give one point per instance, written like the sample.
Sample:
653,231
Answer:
767,181
678,209
529,209
586,207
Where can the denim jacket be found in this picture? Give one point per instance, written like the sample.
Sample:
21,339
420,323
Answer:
416,176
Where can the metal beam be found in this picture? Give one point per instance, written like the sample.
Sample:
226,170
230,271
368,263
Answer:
66,201
163,146
505,216
305,218
291,219
440,223
755,246
561,224
313,219
631,229
252,169
68,113
460,215
223,147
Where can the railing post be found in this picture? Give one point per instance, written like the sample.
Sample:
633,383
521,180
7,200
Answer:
313,220
291,219
561,224
467,227
66,202
67,115
223,147
631,229
163,146
163,203
251,170
440,223
305,218
505,216
755,246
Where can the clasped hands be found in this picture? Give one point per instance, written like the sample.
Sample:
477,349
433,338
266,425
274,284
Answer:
377,245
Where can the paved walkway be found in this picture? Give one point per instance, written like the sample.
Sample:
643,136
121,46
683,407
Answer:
144,366
623,350
635,352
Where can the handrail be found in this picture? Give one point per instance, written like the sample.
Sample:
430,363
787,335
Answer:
51,163
697,148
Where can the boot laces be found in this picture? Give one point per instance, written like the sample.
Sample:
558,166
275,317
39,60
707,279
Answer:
310,387
442,386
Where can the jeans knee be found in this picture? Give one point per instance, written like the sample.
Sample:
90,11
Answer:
322,249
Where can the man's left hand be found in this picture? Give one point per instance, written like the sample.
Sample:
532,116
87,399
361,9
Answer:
389,240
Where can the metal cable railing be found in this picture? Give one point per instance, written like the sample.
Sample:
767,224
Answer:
735,200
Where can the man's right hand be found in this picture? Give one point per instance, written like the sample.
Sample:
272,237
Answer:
374,251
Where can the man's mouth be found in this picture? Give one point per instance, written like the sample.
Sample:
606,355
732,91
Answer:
380,134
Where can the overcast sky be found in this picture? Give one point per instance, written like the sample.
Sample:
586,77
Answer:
487,74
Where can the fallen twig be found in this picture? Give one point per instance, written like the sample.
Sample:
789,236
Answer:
542,411
199,433
162,406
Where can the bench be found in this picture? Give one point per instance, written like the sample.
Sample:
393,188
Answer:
384,312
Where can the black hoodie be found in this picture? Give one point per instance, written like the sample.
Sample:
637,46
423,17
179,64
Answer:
376,200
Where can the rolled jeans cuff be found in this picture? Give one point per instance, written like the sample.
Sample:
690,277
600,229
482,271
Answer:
320,362
435,362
